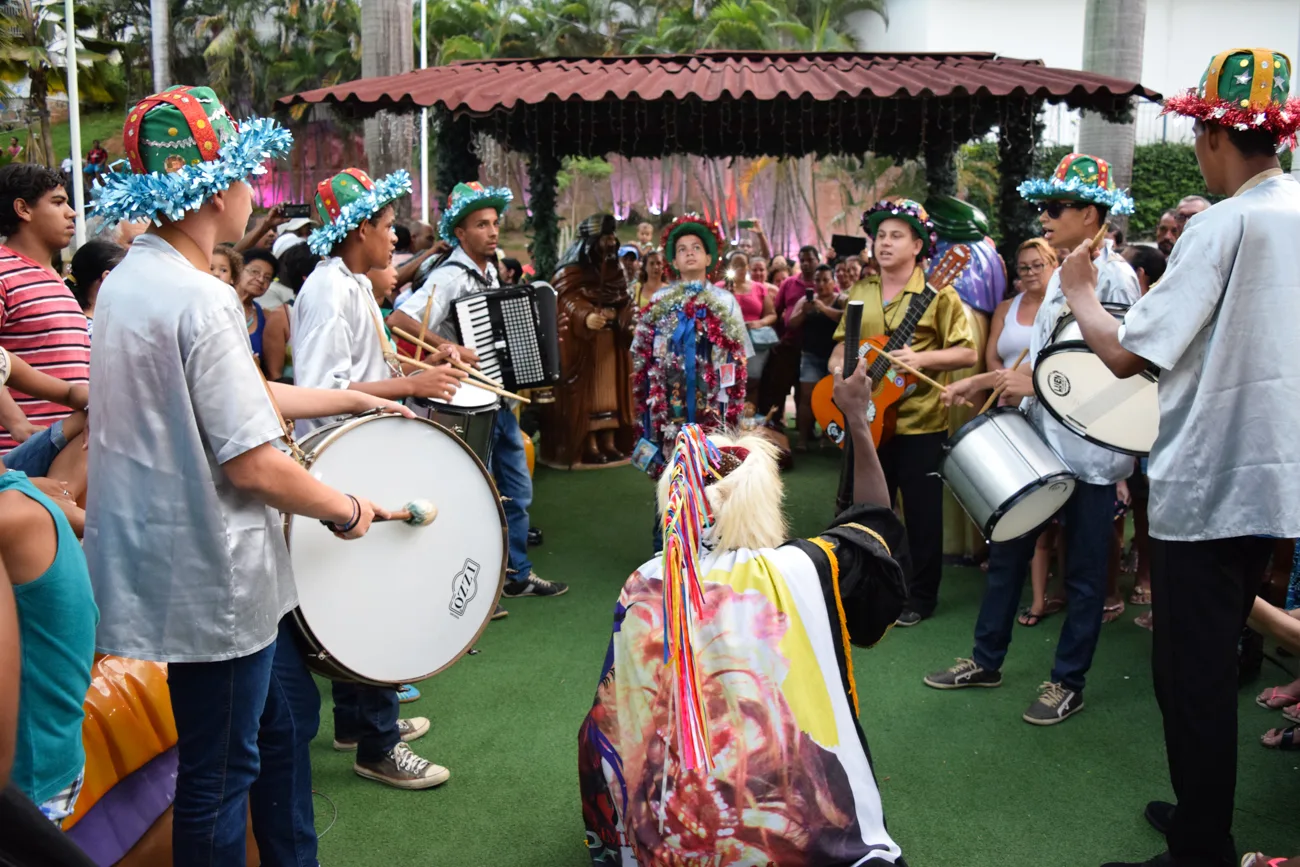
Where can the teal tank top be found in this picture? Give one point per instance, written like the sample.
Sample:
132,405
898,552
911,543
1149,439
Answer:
57,618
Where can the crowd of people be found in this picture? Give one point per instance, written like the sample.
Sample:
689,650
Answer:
168,410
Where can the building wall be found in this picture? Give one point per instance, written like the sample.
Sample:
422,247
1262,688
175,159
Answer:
1181,37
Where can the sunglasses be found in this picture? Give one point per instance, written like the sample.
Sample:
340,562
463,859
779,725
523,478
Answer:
1056,209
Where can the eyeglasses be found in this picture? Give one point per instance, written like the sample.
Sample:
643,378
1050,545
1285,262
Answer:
1056,209
1036,268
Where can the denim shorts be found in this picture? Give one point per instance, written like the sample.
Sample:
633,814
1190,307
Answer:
813,368
35,456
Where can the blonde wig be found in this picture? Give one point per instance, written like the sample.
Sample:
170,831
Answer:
746,503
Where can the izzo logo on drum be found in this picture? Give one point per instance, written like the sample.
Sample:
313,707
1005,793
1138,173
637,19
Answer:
1059,383
464,587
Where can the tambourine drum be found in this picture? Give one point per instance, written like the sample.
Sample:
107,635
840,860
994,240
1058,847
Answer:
1080,392
401,603
1005,475
471,415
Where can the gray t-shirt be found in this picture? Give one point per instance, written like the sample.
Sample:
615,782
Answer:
185,567
1222,327
1118,284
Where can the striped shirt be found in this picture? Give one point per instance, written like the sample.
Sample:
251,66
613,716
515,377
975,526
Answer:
41,323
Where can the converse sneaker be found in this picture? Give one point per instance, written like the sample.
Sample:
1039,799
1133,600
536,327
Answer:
534,586
407,730
500,613
964,673
403,769
407,693
1054,705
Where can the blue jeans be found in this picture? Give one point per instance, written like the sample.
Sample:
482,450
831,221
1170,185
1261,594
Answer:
35,456
367,715
1089,524
509,466
243,730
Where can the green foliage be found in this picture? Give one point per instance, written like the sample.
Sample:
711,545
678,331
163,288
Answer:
1162,174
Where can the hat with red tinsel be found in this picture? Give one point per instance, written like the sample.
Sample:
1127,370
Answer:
909,211
709,232
349,198
1245,89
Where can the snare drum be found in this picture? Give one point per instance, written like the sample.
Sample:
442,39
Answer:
1080,392
471,415
1005,475
401,603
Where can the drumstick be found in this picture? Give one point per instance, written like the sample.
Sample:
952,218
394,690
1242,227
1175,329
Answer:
424,324
417,513
912,370
472,371
483,385
1101,237
997,392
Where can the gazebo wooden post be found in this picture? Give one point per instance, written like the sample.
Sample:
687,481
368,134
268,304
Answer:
543,174
1017,139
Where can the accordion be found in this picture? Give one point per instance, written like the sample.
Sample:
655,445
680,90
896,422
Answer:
513,331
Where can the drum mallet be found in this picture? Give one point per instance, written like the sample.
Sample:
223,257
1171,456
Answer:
997,392
417,513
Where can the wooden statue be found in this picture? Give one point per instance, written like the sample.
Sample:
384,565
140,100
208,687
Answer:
590,424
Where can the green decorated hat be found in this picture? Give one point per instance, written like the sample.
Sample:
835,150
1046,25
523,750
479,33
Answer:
909,211
1244,88
467,198
955,220
348,199
183,148
709,232
1079,178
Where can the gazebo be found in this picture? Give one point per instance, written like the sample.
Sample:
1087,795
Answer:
737,103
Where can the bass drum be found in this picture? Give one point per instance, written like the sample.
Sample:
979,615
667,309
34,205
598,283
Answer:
401,603
1080,392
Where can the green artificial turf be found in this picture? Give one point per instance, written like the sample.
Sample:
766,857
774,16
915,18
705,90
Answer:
965,782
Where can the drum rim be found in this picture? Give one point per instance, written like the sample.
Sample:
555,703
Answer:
1015,500
1151,374
300,619
976,423
1067,315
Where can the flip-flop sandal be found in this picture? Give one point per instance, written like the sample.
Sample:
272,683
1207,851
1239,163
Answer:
1111,613
1144,621
1052,605
1027,617
1256,859
1275,694
1292,713
1140,596
1288,741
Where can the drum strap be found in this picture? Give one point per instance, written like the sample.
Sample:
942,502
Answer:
385,345
294,449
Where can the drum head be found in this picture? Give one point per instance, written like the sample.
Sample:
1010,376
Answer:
401,603
470,396
1025,513
1078,389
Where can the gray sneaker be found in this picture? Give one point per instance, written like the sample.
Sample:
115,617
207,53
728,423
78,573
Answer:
407,729
1054,705
403,769
533,586
965,673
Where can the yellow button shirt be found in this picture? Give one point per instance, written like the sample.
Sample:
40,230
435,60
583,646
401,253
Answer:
943,326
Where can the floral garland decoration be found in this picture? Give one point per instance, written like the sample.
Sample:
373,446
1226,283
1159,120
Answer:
129,196
713,323
354,213
1282,119
903,209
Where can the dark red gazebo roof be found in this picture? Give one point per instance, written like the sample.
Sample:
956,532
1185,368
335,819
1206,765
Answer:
733,102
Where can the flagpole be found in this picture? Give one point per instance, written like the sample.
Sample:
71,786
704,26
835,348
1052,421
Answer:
74,123
424,116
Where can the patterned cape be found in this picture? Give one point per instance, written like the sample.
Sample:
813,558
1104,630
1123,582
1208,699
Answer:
792,782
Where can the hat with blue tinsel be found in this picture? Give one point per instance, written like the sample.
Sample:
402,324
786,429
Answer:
467,198
1079,178
348,199
1244,88
909,211
184,148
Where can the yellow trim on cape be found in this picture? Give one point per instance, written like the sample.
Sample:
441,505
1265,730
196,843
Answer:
829,551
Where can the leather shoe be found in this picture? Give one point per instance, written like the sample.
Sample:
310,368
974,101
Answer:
1161,815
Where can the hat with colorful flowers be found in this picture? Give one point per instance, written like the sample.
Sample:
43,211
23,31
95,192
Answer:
1244,88
1079,178
184,148
467,198
349,198
909,211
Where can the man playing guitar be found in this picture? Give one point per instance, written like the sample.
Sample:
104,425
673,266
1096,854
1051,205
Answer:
903,238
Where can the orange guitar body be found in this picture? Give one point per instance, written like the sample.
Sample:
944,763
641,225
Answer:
886,395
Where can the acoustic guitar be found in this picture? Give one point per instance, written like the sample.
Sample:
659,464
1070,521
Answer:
889,385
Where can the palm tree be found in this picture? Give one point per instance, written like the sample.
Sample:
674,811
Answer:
387,49
36,49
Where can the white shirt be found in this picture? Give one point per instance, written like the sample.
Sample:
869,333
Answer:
276,295
448,284
1116,284
1222,327
185,567
336,327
